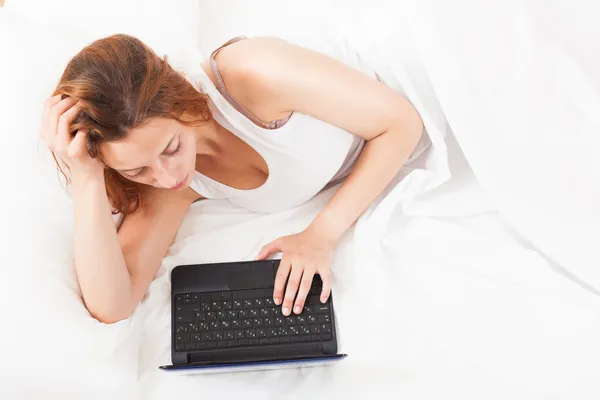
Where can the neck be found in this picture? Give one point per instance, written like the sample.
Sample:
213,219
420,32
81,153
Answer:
209,139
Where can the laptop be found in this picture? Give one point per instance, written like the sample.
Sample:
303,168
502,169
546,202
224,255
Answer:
224,319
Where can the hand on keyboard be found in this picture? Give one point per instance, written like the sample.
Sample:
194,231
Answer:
304,254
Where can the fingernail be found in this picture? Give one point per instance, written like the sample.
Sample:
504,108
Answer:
277,301
323,300
286,311
297,310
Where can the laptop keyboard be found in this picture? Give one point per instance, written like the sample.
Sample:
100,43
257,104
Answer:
241,318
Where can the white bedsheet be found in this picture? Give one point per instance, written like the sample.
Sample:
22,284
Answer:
470,308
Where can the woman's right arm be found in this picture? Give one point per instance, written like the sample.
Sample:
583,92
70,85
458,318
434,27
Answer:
115,269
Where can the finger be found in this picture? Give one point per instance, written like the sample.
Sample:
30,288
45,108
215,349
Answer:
63,137
57,110
291,289
325,274
307,278
78,144
280,278
46,130
268,249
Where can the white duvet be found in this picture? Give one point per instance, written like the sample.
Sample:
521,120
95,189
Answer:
442,289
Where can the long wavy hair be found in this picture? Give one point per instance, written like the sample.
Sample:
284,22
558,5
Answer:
122,84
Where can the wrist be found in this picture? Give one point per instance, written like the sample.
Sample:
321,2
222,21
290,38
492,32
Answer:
87,178
328,227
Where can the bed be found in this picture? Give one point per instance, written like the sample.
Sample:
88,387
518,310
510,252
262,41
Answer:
474,276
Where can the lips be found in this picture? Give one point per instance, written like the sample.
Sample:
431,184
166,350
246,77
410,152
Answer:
180,184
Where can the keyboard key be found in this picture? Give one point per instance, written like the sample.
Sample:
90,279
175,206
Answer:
238,334
227,305
244,342
258,322
200,316
222,344
206,336
254,313
269,302
179,299
253,342
196,337
273,332
324,318
265,312
192,328
182,338
232,314
203,326
248,303
315,338
244,314
189,317
290,320
216,305
303,330
247,323
314,329
286,339
237,304
228,335
218,335
226,325
274,340
327,336
226,296
293,330
205,298
250,333
215,296
269,322
211,345
301,319
205,307
264,341
279,321
261,332
323,309
232,343
196,298
325,328
259,303
181,328
221,315
236,324
312,319
276,311
212,316
215,326
283,331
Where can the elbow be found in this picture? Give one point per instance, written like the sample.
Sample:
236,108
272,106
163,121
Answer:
110,313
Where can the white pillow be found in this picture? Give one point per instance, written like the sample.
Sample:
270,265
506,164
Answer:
51,346
161,24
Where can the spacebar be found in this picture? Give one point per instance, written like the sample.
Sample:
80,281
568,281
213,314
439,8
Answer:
250,294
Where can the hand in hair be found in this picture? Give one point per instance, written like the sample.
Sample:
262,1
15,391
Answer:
70,149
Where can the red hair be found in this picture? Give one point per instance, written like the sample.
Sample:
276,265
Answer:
121,84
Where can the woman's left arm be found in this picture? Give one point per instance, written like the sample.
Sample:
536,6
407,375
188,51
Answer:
291,78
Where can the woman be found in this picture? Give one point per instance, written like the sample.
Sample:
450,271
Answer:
264,123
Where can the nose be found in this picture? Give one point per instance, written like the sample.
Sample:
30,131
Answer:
163,178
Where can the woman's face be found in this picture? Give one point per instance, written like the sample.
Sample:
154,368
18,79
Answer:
162,153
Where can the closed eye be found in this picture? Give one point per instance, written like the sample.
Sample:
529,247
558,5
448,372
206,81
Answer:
172,153
140,172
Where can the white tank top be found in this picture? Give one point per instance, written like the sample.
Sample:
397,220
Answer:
304,155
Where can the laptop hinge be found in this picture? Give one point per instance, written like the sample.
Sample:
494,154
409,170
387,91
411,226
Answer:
257,353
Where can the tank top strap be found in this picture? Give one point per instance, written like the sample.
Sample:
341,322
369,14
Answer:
223,90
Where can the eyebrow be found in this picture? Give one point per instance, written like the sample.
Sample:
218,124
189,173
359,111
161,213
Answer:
163,152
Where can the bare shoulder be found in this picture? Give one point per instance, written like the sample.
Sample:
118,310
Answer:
250,70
